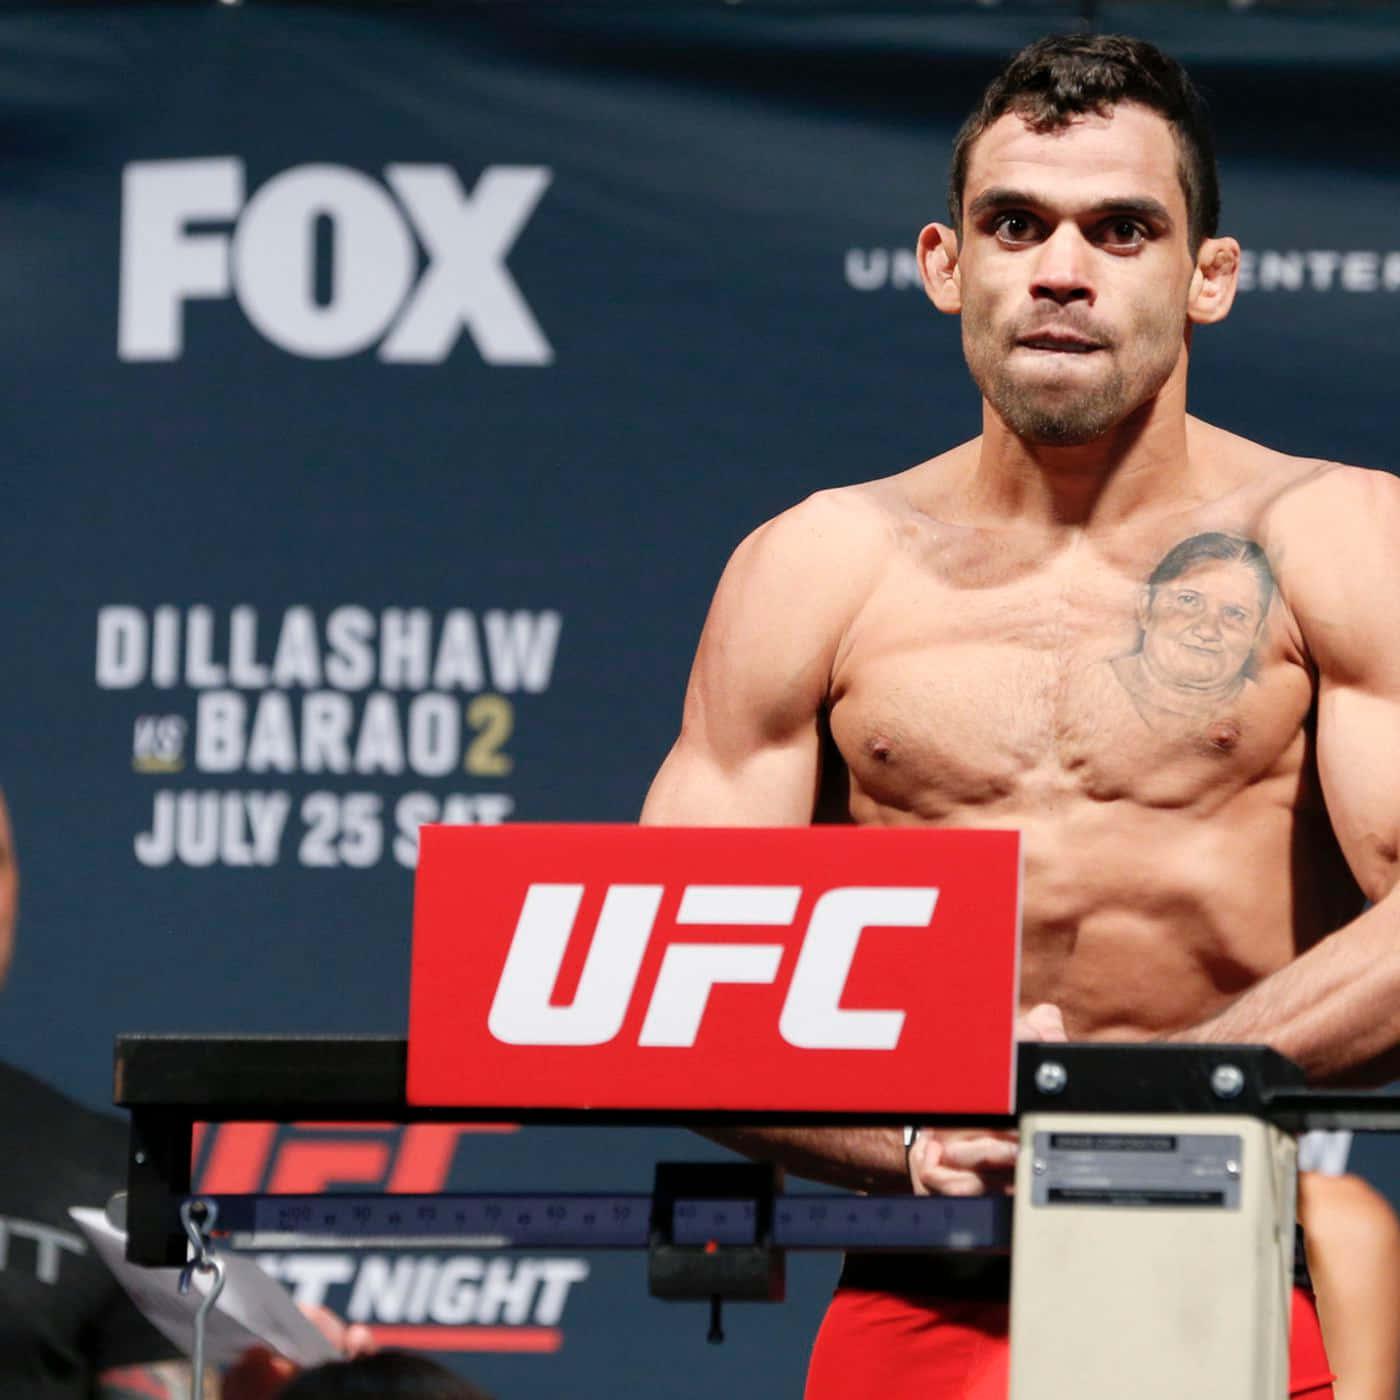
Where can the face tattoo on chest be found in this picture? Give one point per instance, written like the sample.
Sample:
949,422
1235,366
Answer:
1201,617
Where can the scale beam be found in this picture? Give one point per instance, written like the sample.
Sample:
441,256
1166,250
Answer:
170,1082
587,1221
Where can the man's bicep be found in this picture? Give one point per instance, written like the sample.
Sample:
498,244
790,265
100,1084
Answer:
1339,560
749,752
775,785
1358,759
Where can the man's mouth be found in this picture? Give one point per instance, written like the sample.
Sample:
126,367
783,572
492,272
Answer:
1059,343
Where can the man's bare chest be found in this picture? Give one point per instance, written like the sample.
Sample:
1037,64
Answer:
1168,680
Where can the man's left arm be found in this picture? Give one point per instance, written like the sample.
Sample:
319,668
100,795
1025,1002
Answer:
1335,1010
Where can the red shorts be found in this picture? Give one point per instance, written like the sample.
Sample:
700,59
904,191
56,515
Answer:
889,1346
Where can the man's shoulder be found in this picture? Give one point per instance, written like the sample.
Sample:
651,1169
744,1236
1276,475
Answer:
1329,531
800,577
1319,507
865,513
805,567
840,512
1294,493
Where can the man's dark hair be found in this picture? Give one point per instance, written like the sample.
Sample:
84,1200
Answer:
381,1375
1056,79
1214,544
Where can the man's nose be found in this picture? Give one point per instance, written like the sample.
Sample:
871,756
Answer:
1062,270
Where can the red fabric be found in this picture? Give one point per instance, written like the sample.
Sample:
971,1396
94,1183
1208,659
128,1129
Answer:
886,1346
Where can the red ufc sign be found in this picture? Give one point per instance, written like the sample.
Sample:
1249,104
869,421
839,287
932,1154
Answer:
795,969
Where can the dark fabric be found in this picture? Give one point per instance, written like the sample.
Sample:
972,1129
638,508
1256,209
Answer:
63,1317
974,1277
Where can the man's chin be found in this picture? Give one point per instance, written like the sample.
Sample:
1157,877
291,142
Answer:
1050,416
1064,404
1051,427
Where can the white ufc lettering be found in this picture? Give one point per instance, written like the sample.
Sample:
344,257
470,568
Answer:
812,1016
270,261
690,970
521,1013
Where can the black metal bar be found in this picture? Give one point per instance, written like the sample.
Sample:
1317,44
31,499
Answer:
347,1078
307,1078
158,1176
1153,1078
259,1071
1361,1111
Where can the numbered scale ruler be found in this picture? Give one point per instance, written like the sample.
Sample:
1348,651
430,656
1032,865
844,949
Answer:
981,1223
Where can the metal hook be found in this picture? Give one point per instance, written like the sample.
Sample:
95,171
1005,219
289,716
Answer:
206,1304
198,1231
205,1261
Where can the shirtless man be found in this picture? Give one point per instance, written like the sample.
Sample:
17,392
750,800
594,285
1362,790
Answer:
970,643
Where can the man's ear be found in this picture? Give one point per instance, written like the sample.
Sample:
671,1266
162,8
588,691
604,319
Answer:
1214,281
938,267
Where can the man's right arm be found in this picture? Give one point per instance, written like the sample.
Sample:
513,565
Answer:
749,751
749,754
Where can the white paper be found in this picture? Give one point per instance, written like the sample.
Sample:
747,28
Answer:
252,1310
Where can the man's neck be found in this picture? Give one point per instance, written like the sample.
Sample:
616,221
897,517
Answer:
1137,467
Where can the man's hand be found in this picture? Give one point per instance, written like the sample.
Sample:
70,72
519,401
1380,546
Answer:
962,1162
1042,1022
260,1373
977,1161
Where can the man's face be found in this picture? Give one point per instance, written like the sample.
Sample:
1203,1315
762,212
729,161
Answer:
1199,630
1075,269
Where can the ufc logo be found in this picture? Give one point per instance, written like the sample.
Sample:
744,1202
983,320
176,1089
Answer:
308,1158
812,1017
